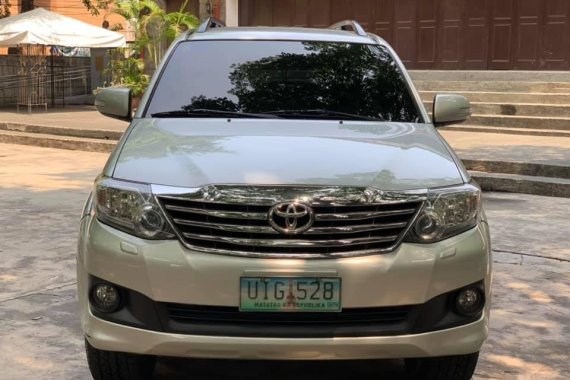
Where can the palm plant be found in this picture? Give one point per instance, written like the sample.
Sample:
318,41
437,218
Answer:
132,11
160,27
153,28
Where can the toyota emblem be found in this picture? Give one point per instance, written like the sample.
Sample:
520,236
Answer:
291,218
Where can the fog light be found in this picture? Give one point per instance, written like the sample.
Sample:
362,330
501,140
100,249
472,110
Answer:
105,298
469,301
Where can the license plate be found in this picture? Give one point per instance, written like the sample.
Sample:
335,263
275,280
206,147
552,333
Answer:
300,294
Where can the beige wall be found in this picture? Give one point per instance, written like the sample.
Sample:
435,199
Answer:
69,8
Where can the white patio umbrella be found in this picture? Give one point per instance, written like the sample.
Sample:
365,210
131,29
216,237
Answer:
42,27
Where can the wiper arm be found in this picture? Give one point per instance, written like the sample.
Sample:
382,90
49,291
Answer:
323,112
205,112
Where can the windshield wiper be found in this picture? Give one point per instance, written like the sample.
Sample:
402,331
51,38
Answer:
322,112
205,112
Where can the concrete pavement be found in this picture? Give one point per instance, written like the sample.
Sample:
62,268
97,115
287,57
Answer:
515,163
41,194
510,148
76,117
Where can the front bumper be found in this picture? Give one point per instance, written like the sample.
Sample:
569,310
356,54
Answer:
166,272
455,341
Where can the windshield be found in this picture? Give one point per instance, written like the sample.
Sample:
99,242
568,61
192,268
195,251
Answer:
286,78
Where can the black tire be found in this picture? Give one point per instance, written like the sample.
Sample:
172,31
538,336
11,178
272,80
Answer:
110,365
460,367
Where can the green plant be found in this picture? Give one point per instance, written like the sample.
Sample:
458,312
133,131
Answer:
127,70
94,7
159,27
153,28
5,8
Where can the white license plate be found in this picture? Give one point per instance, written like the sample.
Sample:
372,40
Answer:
286,294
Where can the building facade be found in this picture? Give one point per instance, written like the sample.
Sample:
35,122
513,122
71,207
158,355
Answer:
441,34
69,8
427,34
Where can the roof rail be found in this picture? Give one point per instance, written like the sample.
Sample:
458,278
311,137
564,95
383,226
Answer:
347,24
211,22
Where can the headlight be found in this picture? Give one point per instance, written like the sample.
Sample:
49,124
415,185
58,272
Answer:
446,212
130,207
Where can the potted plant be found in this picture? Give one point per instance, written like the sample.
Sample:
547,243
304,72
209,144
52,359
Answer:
127,70
132,75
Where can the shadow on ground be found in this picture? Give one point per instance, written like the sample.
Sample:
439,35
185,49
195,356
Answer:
178,369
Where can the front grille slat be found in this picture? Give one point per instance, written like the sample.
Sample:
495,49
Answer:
228,227
235,227
218,214
355,228
291,243
312,231
364,215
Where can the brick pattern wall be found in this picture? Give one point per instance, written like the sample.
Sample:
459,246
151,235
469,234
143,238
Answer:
75,9
69,8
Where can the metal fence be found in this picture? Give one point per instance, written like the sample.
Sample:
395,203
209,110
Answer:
34,78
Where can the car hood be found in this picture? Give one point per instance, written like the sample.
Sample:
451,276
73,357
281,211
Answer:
197,152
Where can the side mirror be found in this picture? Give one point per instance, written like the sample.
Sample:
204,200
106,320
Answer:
450,109
114,102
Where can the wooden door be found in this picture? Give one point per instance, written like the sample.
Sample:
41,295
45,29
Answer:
441,34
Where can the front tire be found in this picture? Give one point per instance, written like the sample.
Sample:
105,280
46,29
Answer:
460,367
110,365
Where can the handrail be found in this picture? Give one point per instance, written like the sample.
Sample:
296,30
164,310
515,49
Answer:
211,22
343,25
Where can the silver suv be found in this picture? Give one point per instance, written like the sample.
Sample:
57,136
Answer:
281,193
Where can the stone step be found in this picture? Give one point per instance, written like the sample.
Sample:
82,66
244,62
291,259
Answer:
61,131
57,141
516,183
505,130
520,168
533,122
505,97
490,75
495,86
521,109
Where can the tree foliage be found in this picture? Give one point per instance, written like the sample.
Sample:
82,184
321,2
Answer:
342,77
5,8
126,69
153,28
156,26
94,7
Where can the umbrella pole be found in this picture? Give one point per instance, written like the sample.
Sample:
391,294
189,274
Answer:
52,79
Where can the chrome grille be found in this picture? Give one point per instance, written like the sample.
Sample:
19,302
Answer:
244,229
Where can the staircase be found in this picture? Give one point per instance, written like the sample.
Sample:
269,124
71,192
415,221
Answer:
91,140
513,102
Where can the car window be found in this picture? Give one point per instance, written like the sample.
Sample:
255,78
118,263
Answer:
269,76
